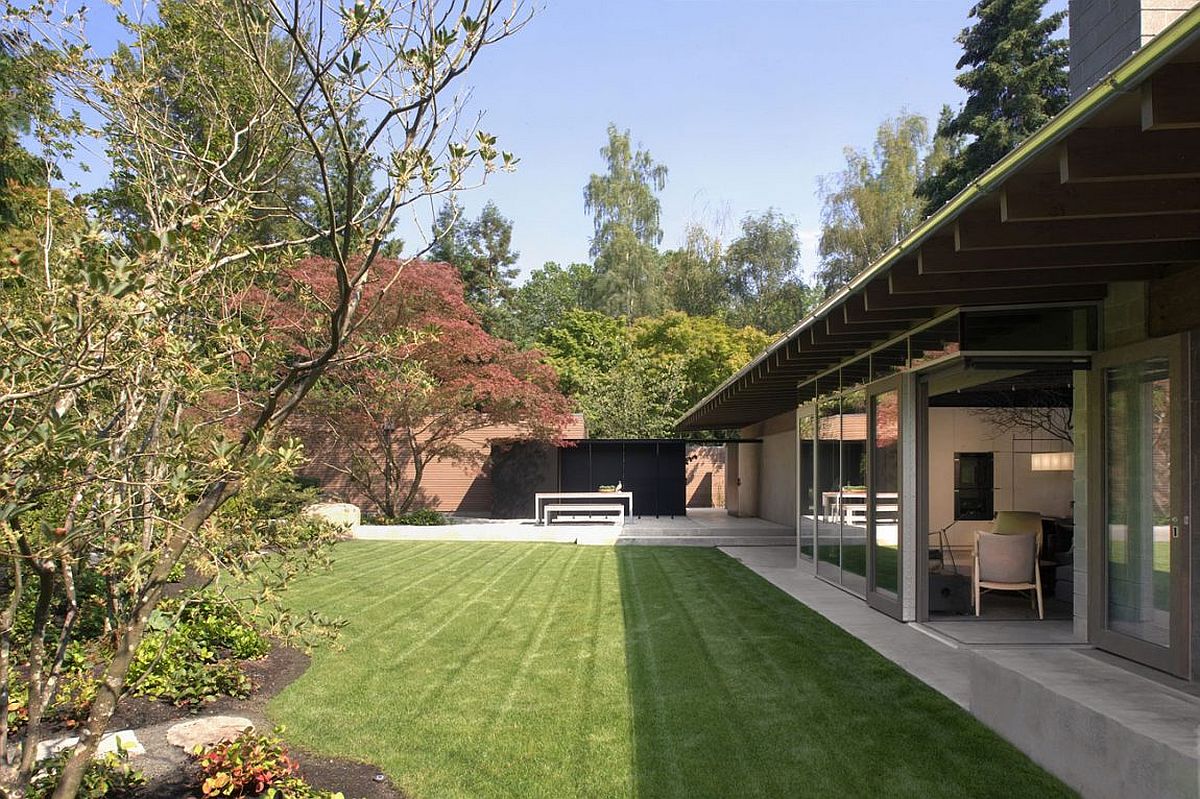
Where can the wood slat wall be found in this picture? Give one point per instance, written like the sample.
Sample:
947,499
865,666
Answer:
446,486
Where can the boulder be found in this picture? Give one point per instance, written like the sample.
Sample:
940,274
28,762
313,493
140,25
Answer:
340,513
207,731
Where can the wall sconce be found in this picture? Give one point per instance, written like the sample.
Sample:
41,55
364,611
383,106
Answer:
1053,461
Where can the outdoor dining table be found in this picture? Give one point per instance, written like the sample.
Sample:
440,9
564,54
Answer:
543,498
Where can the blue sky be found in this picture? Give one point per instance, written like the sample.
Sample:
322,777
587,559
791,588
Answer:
747,102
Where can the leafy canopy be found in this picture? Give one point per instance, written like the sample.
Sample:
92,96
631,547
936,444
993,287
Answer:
872,204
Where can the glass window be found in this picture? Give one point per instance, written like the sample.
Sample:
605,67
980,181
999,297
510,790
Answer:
1137,484
934,342
828,479
807,517
852,490
885,489
889,360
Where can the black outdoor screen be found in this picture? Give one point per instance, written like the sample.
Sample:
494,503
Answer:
655,471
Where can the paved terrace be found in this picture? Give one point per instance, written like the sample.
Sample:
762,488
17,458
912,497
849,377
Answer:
704,527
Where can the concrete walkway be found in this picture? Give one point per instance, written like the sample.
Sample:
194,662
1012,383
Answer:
936,661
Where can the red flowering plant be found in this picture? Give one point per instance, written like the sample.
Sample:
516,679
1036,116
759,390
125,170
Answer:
251,766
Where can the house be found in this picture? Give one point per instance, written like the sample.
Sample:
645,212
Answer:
1032,346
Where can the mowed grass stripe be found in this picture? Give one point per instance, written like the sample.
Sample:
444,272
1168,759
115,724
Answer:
595,732
449,699
437,601
348,575
379,632
860,726
543,670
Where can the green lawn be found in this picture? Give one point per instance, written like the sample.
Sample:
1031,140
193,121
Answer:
542,670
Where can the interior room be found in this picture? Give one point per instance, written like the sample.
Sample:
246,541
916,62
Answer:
1001,465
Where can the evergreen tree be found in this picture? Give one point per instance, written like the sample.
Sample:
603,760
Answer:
1015,79
481,250
364,201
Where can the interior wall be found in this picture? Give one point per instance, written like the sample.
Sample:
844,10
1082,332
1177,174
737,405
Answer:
1017,486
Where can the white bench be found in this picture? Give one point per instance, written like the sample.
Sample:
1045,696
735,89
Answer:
610,510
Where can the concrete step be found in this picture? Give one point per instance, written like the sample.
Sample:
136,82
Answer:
1104,730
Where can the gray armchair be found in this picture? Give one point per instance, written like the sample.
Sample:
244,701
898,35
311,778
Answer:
1007,562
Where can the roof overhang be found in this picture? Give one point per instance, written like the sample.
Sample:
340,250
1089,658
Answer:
1108,191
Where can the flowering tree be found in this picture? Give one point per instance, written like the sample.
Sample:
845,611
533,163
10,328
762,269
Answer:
139,394
426,374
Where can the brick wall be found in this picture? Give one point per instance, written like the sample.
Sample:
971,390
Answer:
706,477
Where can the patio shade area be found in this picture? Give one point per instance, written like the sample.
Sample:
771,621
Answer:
491,669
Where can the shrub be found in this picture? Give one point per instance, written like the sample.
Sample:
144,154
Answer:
73,700
423,517
254,766
188,656
109,776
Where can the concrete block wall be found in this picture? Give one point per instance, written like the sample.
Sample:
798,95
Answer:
1106,32
1107,733
1103,34
1158,14
1124,314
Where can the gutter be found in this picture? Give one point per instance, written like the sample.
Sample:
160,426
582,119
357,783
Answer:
1178,35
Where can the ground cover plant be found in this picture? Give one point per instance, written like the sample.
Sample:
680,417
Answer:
547,670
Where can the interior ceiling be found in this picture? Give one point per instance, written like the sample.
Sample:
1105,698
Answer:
1037,389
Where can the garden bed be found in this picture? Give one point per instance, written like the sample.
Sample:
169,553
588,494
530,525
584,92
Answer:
171,774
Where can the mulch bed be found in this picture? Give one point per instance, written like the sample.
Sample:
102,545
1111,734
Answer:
270,675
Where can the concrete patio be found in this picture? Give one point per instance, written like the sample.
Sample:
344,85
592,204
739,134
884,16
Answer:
703,527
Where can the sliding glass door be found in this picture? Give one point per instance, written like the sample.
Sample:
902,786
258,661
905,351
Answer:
1139,573
883,497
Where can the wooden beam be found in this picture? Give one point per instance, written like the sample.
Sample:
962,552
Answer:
1044,197
907,280
938,256
985,231
879,297
854,311
1120,154
1169,98
836,325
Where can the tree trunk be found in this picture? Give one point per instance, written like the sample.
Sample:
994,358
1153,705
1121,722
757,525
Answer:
415,486
113,682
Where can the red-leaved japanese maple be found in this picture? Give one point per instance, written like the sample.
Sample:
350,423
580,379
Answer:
423,375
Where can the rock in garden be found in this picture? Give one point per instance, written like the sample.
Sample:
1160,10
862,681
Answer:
207,731
110,743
